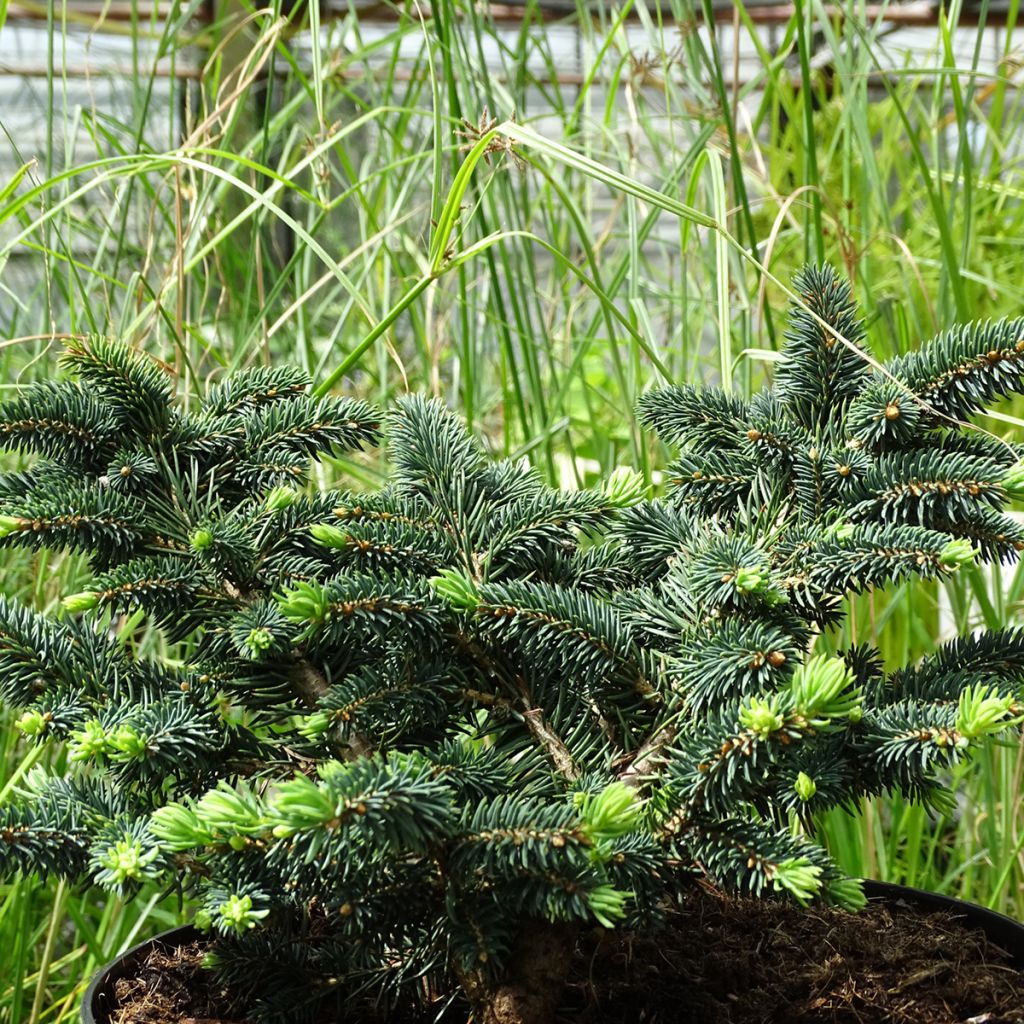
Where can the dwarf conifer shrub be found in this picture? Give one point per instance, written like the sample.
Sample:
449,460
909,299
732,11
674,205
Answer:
402,746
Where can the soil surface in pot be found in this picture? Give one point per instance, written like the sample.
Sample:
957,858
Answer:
723,961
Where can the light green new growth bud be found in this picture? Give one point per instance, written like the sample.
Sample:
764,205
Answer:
609,814
805,786
126,860
822,689
306,602
126,743
839,530
983,712
847,893
178,827
200,539
88,742
33,723
236,913
11,524
226,810
455,588
748,580
300,803
956,554
607,904
82,602
259,639
329,536
1013,481
315,725
280,498
624,487
761,717
799,877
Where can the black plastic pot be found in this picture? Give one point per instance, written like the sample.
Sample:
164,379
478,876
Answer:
98,1000
1006,933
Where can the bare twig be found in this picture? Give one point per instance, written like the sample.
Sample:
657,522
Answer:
649,759
552,743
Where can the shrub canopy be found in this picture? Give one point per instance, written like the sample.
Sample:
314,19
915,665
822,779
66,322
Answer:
392,735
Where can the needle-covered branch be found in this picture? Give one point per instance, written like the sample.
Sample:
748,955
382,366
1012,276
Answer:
414,740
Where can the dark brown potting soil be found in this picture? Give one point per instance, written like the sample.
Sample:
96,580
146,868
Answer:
723,961
170,987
